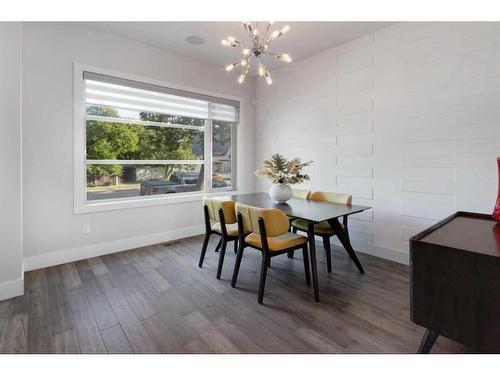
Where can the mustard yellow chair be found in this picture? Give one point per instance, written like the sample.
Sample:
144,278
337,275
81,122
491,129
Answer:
324,229
220,219
301,193
266,230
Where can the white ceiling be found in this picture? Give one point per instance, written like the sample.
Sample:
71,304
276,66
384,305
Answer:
304,38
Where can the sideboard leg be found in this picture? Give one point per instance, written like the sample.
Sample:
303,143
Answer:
427,342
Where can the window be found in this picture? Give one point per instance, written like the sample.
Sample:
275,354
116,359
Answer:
143,140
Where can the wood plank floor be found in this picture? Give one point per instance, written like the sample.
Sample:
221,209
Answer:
156,300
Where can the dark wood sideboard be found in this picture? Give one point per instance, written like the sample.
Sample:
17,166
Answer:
455,282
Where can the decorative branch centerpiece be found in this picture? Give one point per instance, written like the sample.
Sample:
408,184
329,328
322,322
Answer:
282,174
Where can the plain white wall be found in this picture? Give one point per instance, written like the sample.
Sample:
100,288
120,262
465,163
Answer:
407,119
11,271
51,231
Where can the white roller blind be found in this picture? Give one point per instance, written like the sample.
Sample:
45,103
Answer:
131,95
124,97
224,112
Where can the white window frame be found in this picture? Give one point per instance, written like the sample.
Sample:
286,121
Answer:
81,205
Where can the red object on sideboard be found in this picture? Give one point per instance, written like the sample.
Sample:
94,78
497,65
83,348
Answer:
496,211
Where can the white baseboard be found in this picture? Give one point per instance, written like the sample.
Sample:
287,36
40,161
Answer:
12,288
384,252
378,251
85,252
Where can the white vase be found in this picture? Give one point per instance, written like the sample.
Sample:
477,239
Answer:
280,192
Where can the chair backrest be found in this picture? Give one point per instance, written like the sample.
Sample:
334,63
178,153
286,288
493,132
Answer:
322,196
301,193
213,206
276,222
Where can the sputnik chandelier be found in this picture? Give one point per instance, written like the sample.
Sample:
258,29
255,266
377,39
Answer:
260,46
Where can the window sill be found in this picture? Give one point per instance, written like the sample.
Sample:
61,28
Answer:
112,205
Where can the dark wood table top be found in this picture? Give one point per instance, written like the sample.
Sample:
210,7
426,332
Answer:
300,208
467,231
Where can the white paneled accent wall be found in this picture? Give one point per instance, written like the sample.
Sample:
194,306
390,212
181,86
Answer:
406,119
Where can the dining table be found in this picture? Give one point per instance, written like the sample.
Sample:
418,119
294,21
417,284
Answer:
313,212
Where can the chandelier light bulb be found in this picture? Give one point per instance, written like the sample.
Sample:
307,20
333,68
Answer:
230,67
275,34
246,51
248,26
268,27
261,69
267,75
243,62
230,43
243,75
286,57
285,29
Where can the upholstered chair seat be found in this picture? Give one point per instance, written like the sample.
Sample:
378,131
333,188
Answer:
231,229
277,243
322,228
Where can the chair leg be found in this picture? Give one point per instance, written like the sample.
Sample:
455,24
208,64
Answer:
306,265
236,246
328,252
218,245
263,274
222,254
237,264
204,249
290,253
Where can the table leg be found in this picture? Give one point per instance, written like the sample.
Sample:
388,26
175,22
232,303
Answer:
427,342
314,267
344,240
